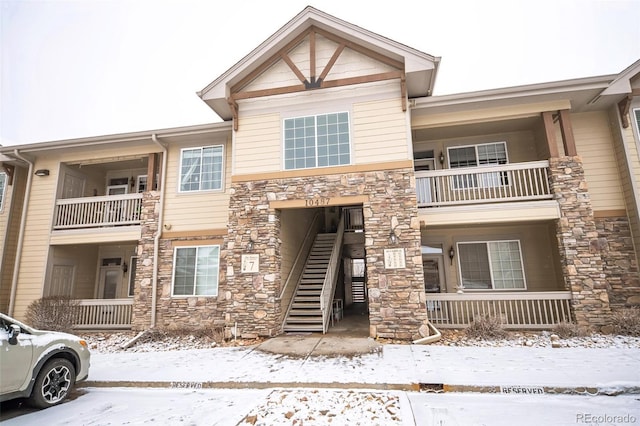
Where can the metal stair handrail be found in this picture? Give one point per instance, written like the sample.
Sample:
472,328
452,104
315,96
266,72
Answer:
330,279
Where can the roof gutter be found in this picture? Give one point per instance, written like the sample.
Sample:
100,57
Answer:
156,239
23,224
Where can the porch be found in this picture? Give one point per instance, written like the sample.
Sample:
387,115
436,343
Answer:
103,314
521,310
528,181
97,212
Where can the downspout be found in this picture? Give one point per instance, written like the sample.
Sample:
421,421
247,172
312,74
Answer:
156,239
431,338
23,224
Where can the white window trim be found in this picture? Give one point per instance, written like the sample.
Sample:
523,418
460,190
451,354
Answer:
222,171
475,146
132,261
492,289
635,124
3,191
351,153
173,273
480,183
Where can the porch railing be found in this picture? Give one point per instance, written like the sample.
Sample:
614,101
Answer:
491,184
90,212
103,314
329,285
516,310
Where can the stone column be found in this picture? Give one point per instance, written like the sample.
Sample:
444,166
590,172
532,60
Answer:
580,247
250,298
396,296
141,317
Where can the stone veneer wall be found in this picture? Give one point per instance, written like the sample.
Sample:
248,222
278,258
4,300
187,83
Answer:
396,296
620,265
579,243
171,312
144,268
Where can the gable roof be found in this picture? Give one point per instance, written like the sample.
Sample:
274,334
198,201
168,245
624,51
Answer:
420,68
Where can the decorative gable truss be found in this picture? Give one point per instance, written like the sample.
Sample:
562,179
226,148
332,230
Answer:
316,59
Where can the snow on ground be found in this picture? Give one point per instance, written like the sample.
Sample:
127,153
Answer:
310,407
112,342
349,389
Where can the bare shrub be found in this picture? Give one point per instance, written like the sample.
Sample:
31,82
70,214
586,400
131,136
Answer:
486,327
56,313
566,330
626,321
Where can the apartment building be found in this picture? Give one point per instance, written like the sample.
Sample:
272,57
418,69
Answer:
337,183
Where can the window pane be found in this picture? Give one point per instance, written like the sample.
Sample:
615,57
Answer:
462,157
506,265
474,265
207,271
184,273
190,170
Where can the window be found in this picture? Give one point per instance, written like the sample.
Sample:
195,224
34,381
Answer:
637,114
3,185
491,265
489,154
201,168
317,141
195,271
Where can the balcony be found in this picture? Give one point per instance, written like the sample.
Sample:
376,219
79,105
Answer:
492,184
98,212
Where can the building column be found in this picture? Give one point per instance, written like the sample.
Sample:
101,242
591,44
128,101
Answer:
579,245
250,298
141,315
395,278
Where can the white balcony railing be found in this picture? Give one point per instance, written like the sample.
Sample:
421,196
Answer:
90,212
490,184
516,310
103,314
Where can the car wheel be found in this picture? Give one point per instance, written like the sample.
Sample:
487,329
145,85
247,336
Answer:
53,384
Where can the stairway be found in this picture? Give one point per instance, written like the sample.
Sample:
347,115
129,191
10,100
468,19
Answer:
305,313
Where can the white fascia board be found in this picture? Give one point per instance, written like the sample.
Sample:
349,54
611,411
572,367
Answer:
415,61
524,91
120,137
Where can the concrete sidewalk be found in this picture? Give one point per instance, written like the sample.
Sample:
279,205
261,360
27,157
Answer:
294,361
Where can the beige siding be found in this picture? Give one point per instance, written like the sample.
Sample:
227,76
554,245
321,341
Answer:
379,132
191,211
258,144
9,229
537,243
378,124
294,226
594,143
626,149
521,146
84,259
36,239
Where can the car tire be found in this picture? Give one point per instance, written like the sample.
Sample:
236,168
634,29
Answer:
54,382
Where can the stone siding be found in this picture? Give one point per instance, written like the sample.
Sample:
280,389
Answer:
619,260
579,243
396,296
141,317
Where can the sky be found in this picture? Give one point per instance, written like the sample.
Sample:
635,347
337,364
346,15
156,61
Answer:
79,68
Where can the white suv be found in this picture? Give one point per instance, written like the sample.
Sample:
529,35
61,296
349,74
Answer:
41,365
